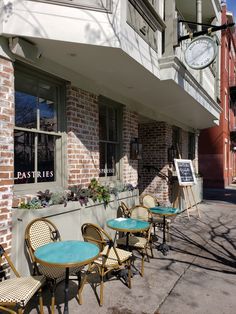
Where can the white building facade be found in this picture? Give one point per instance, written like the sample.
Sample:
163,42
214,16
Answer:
84,81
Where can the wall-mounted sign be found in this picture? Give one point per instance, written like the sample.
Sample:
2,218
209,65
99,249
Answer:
185,172
201,52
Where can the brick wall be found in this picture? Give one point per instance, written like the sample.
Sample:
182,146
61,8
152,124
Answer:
6,149
130,131
156,139
83,139
83,136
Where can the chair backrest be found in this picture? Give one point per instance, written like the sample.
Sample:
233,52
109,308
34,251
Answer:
38,232
41,231
148,200
125,210
5,263
141,212
95,234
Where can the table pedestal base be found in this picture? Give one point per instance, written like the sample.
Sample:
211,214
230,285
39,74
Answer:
164,248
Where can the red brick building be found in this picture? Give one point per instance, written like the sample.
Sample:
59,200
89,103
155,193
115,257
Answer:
217,145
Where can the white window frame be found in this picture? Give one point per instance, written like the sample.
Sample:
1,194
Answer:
60,167
109,103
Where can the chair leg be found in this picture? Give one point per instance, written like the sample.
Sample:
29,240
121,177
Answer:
53,298
129,273
7,310
142,265
40,302
101,286
146,253
81,286
151,250
53,302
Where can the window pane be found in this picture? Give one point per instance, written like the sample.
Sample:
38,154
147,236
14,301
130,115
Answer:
24,157
112,120
102,167
111,160
47,107
25,101
46,158
102,123
25,110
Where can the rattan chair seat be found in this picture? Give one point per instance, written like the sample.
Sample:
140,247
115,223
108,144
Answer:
20,290
112,258
137,242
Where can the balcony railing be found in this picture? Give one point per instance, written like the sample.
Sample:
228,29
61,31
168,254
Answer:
98,5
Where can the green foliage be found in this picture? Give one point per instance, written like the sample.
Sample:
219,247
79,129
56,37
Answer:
99,192
58,198
96,191
35,203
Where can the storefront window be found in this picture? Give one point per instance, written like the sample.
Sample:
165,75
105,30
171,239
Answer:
37,136
109,138
191,146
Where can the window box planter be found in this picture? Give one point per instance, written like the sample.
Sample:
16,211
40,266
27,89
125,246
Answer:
68,219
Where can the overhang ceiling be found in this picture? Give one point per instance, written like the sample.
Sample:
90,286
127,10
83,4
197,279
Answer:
187,8
113,73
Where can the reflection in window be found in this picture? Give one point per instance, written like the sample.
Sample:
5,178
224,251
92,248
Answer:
109,145
24,150
25,110
36,101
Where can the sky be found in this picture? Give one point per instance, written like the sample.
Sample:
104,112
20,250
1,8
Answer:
231,6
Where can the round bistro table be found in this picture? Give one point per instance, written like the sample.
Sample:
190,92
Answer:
164,212
128,225
66,254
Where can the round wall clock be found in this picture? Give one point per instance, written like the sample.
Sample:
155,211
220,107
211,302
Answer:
201,52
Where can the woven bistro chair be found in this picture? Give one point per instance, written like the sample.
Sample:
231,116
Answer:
124,209
39,232
110,258
149,201
143,241
17,291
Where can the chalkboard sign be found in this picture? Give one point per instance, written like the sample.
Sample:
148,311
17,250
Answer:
185,172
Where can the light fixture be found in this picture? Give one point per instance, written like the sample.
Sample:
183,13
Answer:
172,153
135,149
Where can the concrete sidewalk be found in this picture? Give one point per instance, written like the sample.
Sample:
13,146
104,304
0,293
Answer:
198,276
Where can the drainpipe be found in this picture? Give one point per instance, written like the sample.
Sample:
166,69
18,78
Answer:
199,14
196,160
199,27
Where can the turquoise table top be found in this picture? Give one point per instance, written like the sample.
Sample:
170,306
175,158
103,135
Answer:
128,224
164,210
67,253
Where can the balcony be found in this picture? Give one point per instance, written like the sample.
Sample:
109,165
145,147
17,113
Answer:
209,10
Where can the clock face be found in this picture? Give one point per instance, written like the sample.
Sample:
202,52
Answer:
201,52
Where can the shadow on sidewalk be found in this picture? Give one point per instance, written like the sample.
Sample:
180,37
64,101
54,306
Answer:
225,195
210,245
